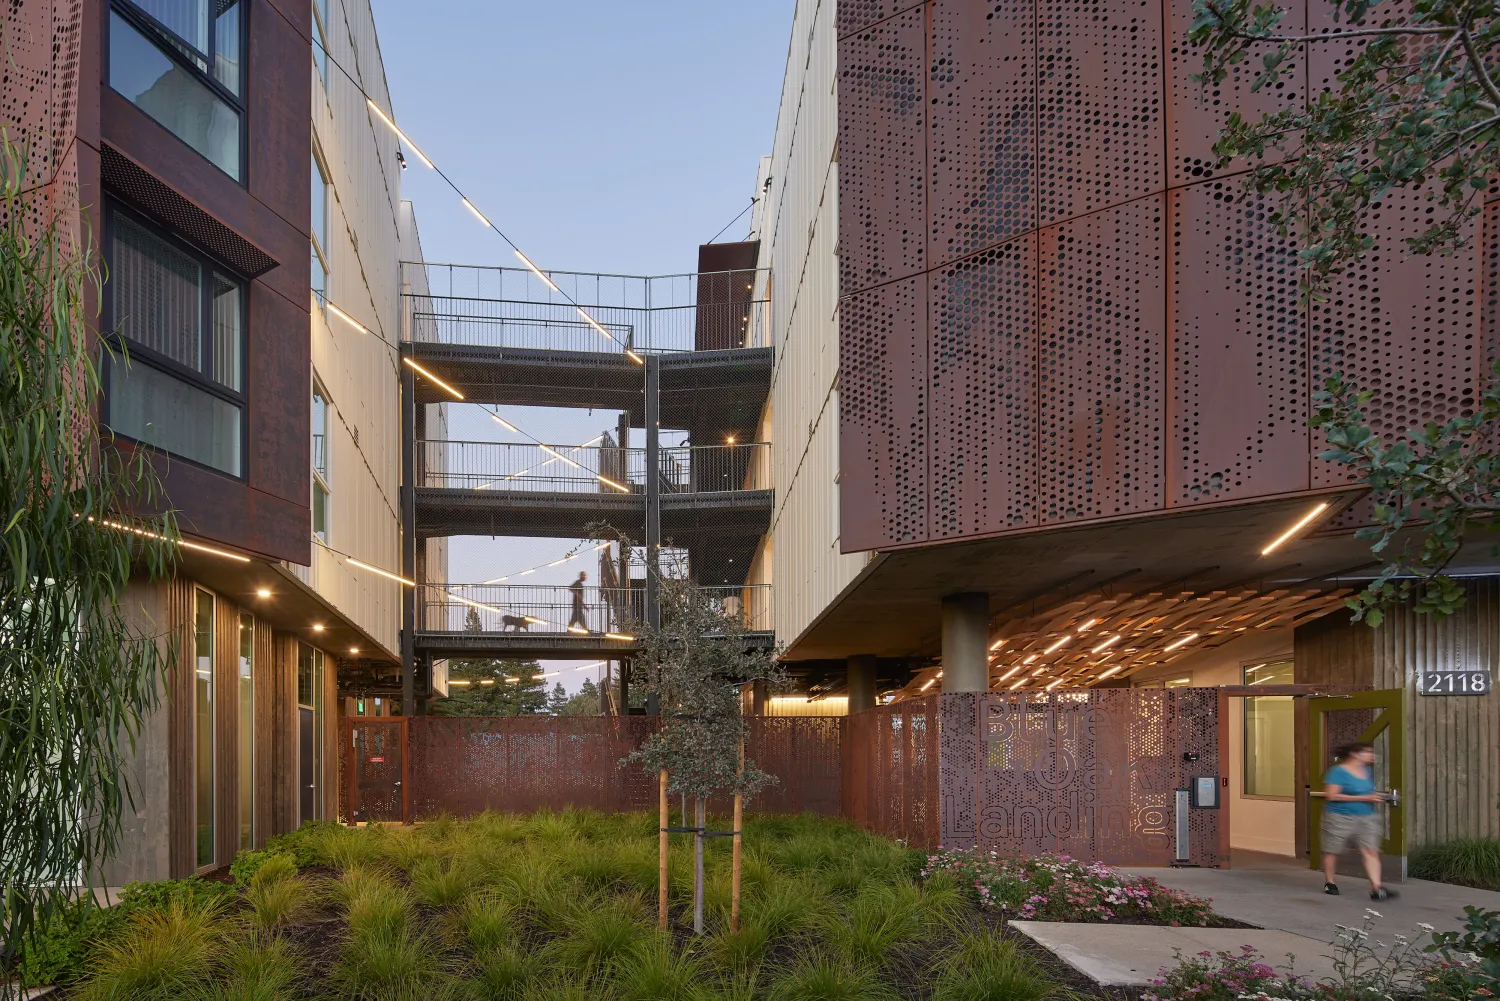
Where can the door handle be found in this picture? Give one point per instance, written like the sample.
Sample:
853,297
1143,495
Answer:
1395,798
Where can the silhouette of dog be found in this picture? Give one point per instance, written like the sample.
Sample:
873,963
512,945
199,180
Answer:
515,624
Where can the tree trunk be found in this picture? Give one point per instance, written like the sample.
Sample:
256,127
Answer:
698,872
734,871
661,851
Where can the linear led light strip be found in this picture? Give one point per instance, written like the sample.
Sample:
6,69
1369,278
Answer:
489,225
554,563
184,543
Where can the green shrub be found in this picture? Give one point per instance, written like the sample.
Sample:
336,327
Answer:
1463,861
164,954
305,844
985,967
818,979
247,864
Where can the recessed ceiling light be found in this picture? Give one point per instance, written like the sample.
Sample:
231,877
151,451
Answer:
354,649
318,628
263,592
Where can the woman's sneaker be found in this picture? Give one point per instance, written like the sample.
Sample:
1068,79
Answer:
1383,894
1332,889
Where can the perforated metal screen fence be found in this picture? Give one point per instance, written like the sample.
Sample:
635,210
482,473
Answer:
1092,774
1053,309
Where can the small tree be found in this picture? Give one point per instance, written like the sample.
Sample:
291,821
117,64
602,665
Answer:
77,671
695,664
557,700
495,687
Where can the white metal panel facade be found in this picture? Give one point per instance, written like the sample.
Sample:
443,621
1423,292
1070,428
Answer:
799,231
359,370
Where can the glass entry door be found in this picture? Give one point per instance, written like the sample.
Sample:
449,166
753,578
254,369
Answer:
1366,717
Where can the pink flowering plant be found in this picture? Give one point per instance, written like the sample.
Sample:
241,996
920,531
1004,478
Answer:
1061,888
1224,976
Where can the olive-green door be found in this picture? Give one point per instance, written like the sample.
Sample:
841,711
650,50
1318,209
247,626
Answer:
1372,718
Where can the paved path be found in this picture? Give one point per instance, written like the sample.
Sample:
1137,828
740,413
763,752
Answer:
1130,955
1280,893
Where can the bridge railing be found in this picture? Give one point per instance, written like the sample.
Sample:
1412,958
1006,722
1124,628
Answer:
548,609
576,311
483,465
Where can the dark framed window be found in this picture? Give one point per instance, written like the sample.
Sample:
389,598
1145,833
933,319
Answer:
182,62
177,326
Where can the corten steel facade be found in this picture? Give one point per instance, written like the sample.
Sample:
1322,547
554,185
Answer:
1054,310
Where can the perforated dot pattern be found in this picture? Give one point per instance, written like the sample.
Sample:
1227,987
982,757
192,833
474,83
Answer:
856,15
1238,340
1099,104
1403,327
1106,326
1102,362
1196,111
983,437
883,413
882,125
40,48
982,93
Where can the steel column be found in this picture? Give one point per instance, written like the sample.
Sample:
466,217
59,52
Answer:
653,505
966,634
408,533
861,682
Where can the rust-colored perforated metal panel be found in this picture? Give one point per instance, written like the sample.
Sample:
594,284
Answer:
464,765
1099,104
1089,774
41,44
1102,362
883,448
856,14
1404,327
982,433
890,760
1196,113
882,126
982,125
1237,406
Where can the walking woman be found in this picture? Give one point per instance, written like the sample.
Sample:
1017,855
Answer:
1349,817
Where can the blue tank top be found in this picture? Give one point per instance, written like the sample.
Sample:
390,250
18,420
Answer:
1349,784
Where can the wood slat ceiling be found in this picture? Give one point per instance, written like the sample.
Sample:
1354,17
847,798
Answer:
1092,639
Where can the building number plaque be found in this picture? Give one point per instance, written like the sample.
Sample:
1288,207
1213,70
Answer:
1453,682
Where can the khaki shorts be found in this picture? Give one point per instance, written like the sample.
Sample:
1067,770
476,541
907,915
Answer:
1343,831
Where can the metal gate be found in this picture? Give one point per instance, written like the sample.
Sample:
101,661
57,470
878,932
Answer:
1367,717
376,769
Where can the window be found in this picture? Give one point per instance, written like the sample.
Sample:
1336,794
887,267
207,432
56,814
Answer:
203,724
311,664
320,40
319,230
1178,683
178,324
180,61
1270,741
247,731
320,487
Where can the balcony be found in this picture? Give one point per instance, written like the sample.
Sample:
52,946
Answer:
526,621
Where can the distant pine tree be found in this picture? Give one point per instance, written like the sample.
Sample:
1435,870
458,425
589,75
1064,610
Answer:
557,701
586,702
488,693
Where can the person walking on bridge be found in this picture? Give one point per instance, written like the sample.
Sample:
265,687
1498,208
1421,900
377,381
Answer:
580,617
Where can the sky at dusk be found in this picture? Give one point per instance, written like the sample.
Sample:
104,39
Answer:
600,137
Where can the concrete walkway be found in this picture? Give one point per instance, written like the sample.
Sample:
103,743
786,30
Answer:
1280,893
1131,955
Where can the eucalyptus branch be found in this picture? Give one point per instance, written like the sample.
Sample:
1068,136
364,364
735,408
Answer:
1479,68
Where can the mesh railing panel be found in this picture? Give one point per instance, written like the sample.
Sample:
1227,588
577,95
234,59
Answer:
513,308
549,608
483,465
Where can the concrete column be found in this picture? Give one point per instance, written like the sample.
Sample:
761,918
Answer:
861,675
966,638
